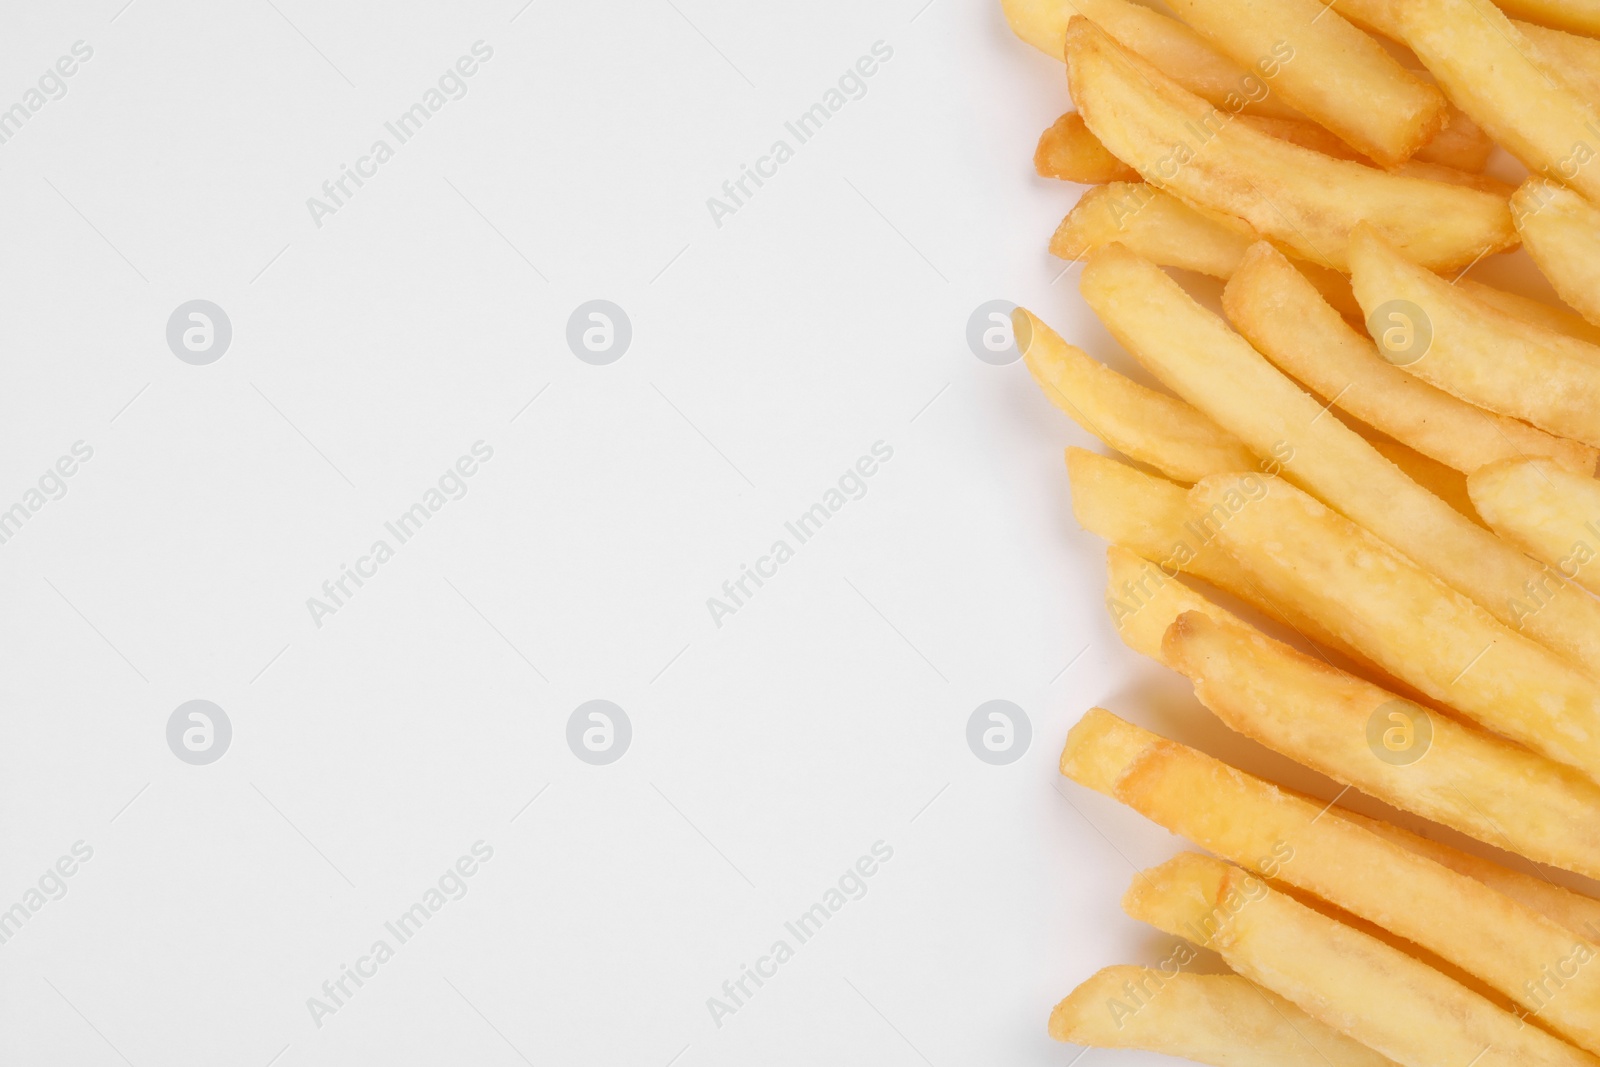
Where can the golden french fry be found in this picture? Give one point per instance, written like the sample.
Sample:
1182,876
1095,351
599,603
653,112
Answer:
1151,427
1069,152
1444,482
1404,618
1186,58
1327,69
1551,513
1305,134
1574,16
1284,317
1300,843
1529,105
1365,736
1527,309
1560,27
1208,1018
1162,40
1576,56
1318,715
1578,913
1367,989
1195,355
1470,350
1156,224
1304,200
1378,16
1168,232
1462,144
1561,231
1142,514
1153,540
1434,172
1143,600
1165,432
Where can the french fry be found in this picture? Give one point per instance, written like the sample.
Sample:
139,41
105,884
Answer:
1361,986
1158,226
1561,231
1145,602
1142,600
1457,775
1208,1018
1404,618
1434,172
1578,913
1574,16
1446,483
1551,513
1300,843
1304,200
1165,432
1305,134
1069,152
1144,519
1195,355
1147,521
1143,597
1284,317
1185,57
1526,308
1529,105
1167,231
1473,781
1462,144
1472,351
1575,55
1327,69
1151,427
1170,233
1162,40
1383,18
1140,512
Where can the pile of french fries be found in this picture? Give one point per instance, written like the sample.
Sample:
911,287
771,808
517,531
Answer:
1372,452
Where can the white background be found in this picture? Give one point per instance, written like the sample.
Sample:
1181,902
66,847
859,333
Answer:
368,754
